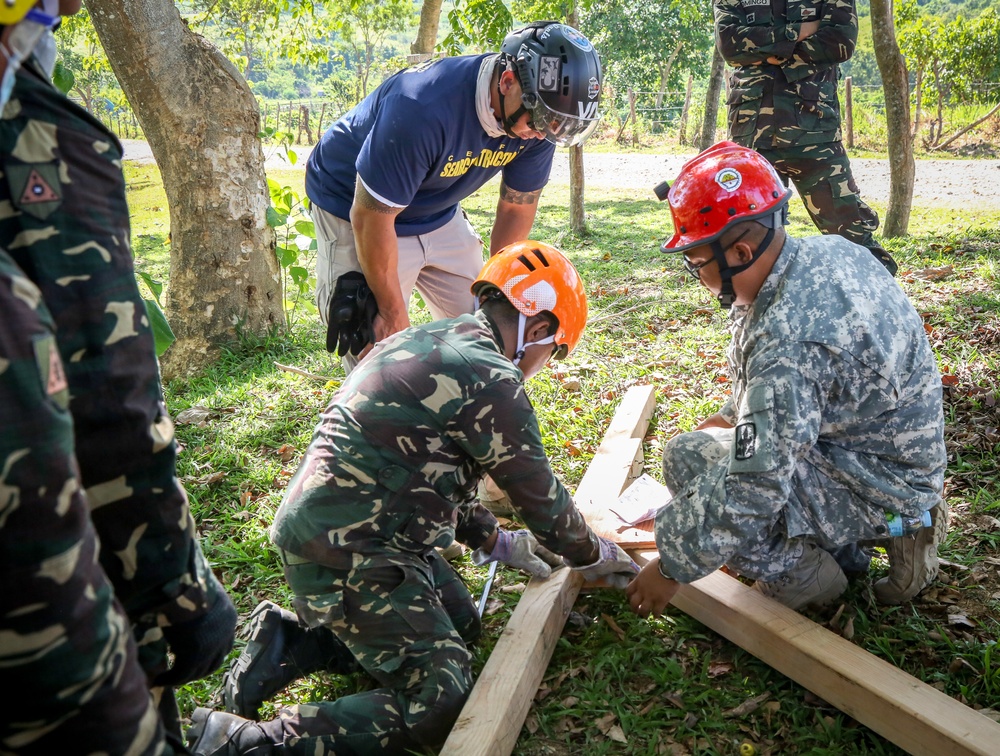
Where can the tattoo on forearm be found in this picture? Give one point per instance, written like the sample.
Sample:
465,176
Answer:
365,200
518,198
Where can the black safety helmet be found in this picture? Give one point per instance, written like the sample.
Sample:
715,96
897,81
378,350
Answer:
560,77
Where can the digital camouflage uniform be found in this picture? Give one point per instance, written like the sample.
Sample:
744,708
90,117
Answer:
70,672
790,113
64,220
837,415
392,472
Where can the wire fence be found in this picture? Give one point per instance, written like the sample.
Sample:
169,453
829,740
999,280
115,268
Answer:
637,115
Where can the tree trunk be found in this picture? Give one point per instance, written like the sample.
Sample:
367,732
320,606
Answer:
430,17
201,121
577,215
895,84
707,138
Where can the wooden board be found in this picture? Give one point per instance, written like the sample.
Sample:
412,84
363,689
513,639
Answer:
492,718
913,715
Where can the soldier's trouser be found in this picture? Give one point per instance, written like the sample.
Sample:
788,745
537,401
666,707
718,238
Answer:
442,265
407,619
70,671
822,176
702,458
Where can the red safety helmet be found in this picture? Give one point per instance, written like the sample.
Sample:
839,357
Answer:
537,278
723,185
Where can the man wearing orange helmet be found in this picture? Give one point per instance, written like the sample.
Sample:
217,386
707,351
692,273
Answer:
391,474
833,434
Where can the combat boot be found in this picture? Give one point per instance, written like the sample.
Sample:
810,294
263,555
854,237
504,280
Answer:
217,733
885,258
815,579
913,560
278,652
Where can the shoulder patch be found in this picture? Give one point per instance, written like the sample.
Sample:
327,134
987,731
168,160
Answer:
746,441
35,189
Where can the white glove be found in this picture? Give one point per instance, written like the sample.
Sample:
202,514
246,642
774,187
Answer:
613,566
519,549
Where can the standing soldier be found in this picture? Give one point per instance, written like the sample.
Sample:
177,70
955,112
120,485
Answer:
783,102
66,224
390,474
69,662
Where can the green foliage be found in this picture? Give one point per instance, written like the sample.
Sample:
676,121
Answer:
295,239
163,335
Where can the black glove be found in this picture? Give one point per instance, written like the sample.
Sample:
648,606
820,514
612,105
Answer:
352,311
201,645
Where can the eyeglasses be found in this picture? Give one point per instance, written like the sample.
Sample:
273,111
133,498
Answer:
695,269
561,129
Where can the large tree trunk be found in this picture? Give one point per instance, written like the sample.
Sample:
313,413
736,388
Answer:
895,84
430,17
707,138
202,123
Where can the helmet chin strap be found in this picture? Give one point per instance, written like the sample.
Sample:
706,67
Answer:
521,346
727,296
507,121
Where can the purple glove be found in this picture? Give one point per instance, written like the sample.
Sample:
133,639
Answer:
613,565
519,549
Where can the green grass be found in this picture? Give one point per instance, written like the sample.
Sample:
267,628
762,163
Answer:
671,685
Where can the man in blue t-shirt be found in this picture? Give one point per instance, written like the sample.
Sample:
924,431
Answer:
386,180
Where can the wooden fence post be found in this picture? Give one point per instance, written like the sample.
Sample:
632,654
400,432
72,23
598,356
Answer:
682,128
631,115
849,112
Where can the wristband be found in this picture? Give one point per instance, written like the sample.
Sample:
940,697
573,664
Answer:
659,566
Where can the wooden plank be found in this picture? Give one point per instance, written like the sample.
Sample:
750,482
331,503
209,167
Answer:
913,715
492,718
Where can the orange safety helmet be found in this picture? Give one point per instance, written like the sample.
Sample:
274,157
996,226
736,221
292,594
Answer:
12,11
536,277
723,185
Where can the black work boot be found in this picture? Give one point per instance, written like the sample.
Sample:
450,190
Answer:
279,651
217,733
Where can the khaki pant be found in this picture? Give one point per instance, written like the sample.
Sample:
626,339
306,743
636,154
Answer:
442,265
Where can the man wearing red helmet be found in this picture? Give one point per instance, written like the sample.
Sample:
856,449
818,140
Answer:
391,474
833,434
783,103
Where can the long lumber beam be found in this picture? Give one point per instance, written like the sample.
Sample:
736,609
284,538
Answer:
492,718
916,717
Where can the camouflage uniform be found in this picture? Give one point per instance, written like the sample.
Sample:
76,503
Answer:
391,473
69,663
790,113
64,220
837,415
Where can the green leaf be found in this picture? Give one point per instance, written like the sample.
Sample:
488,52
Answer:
275,219
156,287
299,274
306,228
63,78
287,256
163,335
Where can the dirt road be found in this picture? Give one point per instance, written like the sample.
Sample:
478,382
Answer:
959,184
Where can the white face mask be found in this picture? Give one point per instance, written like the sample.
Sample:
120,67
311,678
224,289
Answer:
21,42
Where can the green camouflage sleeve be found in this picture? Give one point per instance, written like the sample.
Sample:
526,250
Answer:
67,653
746,37
833,43
498,427
64,218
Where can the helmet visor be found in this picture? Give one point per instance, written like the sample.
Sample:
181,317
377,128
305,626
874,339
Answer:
561,129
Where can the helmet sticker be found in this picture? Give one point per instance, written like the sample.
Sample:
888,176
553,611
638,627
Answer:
593,88
548,73
577,39
729,179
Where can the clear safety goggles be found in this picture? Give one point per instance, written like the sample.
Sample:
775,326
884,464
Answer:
561,129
